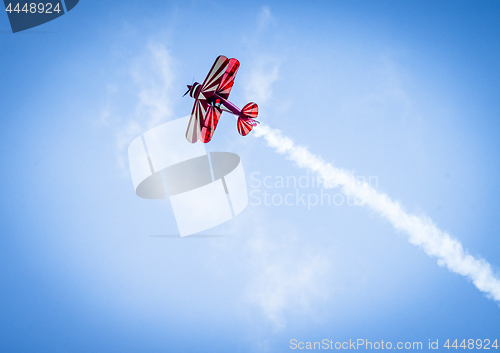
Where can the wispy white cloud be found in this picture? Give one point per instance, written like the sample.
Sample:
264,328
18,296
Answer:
258,86
384,92
265,19
152,75
284,275
421,230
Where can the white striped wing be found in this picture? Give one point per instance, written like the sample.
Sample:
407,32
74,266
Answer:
194,126
214,77
210,85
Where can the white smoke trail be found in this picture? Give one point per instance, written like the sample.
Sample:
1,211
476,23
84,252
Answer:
421,230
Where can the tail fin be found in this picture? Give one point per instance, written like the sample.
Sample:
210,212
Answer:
251,110
246,120
245,125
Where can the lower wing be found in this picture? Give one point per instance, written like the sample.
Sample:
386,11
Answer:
210,123
194,126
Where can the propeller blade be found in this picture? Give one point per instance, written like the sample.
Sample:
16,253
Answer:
186,92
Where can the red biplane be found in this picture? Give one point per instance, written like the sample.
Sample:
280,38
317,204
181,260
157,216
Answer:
211,99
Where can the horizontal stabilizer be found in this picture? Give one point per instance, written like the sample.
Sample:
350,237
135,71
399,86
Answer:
251,110
245,125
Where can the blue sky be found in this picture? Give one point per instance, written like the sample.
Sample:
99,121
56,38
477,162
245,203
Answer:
403,91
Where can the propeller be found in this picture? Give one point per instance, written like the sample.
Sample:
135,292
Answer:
189,87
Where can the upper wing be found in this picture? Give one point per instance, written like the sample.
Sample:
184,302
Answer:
211,120
197,117
228,78
214,77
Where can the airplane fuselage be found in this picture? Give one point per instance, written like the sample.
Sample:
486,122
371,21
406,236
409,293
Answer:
194,91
